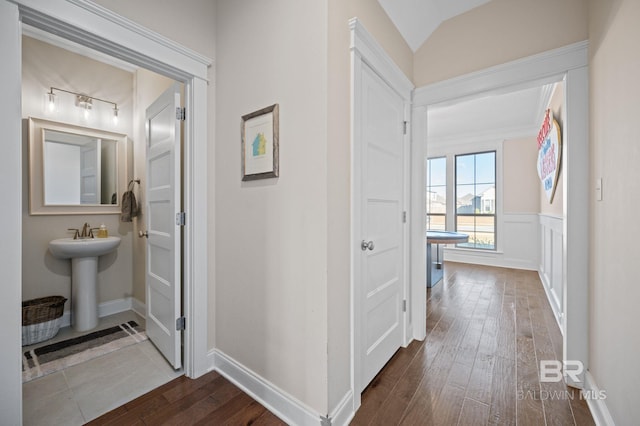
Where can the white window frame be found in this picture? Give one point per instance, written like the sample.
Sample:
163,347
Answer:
450,151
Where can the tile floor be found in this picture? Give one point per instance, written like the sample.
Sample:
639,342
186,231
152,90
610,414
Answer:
85,391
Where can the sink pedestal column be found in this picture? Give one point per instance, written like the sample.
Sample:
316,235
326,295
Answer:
84,300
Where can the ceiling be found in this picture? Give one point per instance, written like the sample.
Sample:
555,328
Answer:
417,19
514,114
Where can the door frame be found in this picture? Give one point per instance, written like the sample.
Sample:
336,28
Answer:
568,64
97,27
365,50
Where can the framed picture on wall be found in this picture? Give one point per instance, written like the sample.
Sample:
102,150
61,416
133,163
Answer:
260,144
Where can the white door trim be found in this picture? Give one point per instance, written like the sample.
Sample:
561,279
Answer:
567,63
97,27
365,49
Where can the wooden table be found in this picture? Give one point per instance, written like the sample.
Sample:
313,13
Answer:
434,269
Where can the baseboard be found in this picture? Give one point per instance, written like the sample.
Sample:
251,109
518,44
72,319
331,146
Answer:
343,413
596,400
105,309
554,306
138,307
488,259
283,405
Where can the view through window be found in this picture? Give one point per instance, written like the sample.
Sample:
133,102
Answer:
475,185
436,193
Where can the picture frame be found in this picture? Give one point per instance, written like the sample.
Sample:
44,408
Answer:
260,144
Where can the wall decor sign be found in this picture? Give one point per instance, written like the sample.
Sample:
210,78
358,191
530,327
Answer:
549,154
260,131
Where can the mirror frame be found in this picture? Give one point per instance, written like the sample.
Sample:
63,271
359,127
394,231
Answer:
37,206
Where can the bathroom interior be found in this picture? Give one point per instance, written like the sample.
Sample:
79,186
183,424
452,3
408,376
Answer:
121,93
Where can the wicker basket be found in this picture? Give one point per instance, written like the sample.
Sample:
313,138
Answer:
41,318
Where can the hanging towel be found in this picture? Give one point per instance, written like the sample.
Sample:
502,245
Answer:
129,207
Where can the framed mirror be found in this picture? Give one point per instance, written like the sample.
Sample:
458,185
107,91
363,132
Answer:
75,170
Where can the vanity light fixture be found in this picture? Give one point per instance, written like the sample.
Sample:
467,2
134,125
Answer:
82,101
86,103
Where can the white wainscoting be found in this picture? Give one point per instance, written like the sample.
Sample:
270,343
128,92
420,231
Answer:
551,266
518,245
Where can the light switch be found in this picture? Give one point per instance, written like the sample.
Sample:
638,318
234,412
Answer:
599,189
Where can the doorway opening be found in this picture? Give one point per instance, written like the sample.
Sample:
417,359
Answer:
569,66
50,61
88,25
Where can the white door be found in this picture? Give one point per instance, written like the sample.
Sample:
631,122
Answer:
90,172
163,272
382,206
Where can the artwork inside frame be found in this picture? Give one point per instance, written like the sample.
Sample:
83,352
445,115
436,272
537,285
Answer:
260,134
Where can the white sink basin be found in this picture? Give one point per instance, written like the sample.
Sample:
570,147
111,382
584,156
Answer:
68,248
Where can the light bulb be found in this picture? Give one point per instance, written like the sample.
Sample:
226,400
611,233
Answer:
52,101
86,111
115,115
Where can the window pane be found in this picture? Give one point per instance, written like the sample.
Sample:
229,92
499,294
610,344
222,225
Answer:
436,193
437,171
486,197
437,199
486,168
466,200
476,199
436,222
465,169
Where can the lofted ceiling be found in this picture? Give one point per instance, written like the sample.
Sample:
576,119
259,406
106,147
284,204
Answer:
417,19
509,114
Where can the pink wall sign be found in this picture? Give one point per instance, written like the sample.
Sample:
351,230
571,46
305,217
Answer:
549,154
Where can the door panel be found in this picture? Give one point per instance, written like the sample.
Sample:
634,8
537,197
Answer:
90,172
382,207
163,273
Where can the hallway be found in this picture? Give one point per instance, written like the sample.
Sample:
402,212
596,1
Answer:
487,330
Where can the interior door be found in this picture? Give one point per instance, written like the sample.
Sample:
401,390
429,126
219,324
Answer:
382,246
163,272
90,172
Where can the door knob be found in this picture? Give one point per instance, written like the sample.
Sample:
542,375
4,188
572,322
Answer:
144,234
366,245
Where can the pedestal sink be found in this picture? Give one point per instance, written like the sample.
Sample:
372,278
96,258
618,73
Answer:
83,253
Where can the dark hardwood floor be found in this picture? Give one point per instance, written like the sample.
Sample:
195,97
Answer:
208,400
487,330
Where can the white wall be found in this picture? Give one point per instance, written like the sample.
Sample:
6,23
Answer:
615,153
271,242
45,65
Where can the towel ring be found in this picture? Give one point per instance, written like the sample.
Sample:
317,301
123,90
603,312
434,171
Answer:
130,187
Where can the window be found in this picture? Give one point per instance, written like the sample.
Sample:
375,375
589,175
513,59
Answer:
437,193
475,185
